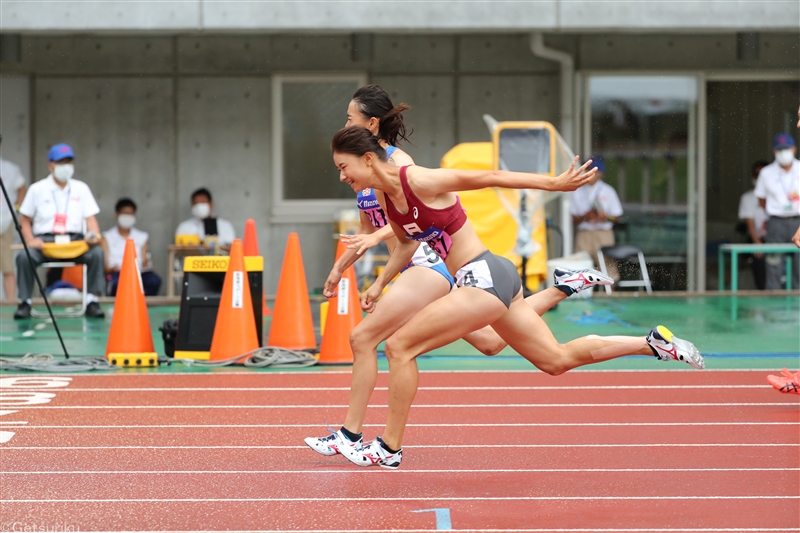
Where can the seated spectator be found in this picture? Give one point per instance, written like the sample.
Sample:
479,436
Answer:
114,248
15,184
595,208
55,210
208,228
755,219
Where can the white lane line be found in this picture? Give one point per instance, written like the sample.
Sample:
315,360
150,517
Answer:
422,406
406,498
338,389
542,530
427,446
406,471
498,424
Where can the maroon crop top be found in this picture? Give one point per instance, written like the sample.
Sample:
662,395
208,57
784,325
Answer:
426,224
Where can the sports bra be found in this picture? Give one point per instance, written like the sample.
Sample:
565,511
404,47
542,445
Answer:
427,224
368,202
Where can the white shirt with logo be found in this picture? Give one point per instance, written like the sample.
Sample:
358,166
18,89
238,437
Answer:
195,226
750,208
781,189
116,246
600,196
45,199
12,180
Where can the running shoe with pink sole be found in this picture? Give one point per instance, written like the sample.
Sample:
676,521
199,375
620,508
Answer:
374,454
786,382
333,444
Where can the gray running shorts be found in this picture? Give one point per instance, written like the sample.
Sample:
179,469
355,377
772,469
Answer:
494,274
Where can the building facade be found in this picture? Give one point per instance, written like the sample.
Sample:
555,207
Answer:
161,98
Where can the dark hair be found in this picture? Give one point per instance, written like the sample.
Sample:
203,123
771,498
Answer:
203,191
357,140
123,203
757,166
373,101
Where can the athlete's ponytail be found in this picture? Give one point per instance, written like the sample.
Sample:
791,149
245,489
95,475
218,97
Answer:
373,101
357,140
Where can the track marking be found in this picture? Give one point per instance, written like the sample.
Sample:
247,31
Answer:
499,424
338,389
407,499
543,530
408,471
427,446
429,406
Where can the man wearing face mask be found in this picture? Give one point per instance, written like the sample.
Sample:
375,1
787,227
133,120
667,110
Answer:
114,249
55,210
204,224
778,191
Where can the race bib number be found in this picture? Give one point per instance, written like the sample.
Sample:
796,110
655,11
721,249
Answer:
475,274
425,256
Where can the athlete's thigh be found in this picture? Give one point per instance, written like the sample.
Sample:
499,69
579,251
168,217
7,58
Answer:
411,291
527,333
447,320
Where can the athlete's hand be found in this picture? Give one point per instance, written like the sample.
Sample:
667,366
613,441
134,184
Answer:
370,296
360,242
796,238
574,178
332,283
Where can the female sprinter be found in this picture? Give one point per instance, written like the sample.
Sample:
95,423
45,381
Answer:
372,108
422,206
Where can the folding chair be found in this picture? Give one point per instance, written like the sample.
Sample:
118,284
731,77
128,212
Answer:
84,292
625,252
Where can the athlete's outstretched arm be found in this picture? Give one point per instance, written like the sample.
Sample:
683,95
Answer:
400,257
346,259
364,241
437,181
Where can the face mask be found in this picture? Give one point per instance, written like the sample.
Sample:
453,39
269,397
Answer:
126,221
784,157
63,172
201,210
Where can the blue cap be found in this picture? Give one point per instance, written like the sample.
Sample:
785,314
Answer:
598,164
782,140
59,152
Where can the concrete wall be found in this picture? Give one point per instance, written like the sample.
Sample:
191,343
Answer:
155,116
354,15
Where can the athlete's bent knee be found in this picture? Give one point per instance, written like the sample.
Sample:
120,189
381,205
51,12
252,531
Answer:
396,352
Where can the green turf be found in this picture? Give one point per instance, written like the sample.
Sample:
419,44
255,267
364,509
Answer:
733,332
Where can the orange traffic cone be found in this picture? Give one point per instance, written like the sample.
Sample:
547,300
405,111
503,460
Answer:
130,341
235,330
344,314
292,326
251,249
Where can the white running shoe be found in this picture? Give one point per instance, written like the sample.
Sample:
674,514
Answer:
374,453
668,347
577,280
334,443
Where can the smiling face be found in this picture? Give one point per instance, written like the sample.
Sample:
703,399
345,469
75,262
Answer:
353,170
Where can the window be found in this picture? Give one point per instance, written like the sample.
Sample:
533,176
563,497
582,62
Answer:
307,111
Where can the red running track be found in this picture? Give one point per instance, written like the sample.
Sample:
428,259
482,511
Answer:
616,451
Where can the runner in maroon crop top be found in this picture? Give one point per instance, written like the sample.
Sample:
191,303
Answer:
414,289
489,290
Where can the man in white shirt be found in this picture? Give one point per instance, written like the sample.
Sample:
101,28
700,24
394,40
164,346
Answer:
755,218
15,184
55,209
595,207
114,249
778,191
204,225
